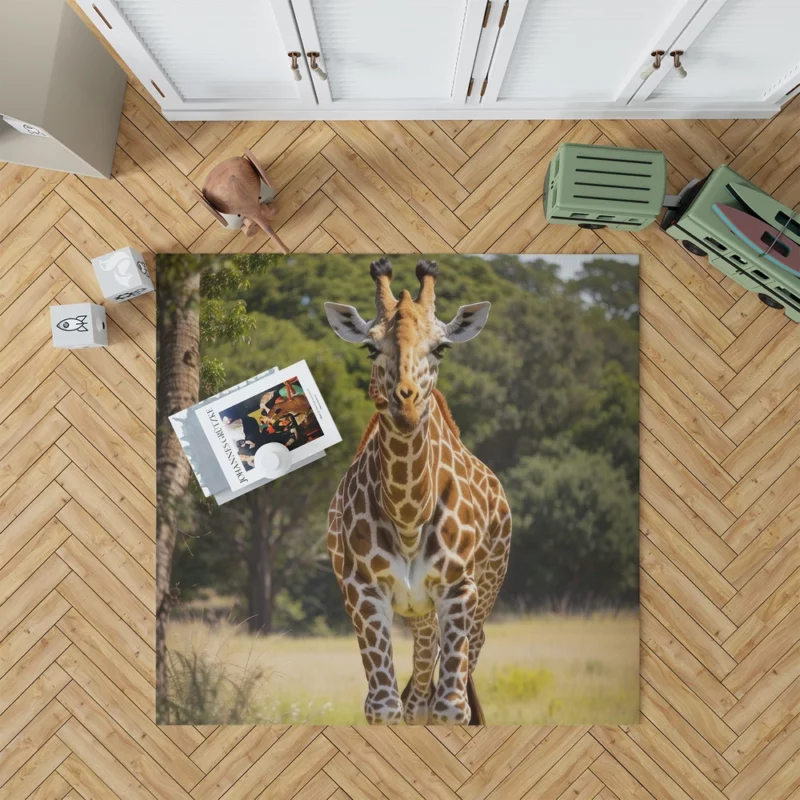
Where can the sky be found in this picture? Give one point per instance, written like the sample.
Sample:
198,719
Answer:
570,265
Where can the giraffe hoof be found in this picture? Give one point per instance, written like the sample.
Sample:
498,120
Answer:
382,708
452,709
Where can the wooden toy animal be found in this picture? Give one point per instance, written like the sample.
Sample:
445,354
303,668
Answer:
233,194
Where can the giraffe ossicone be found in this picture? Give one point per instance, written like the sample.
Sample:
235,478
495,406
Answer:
419,526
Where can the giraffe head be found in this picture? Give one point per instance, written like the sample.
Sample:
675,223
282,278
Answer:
405,341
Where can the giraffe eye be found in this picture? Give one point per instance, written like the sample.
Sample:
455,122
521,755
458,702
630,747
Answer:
438,352
372,351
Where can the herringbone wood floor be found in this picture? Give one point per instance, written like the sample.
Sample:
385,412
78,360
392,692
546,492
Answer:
720,508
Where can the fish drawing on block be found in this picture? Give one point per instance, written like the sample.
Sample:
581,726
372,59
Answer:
767,241
77,324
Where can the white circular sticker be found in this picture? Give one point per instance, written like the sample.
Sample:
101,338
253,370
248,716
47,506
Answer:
273,459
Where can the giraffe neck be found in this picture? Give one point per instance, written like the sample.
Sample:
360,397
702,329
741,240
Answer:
407,475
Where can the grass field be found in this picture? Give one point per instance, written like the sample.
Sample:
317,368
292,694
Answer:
533,670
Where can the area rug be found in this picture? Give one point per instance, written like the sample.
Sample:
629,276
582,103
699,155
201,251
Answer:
427,515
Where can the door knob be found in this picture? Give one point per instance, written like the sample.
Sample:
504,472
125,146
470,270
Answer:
676,60
294,66
657,56
315,67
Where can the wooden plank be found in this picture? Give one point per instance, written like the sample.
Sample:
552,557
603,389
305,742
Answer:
680,552
78,519
160,132
764,510
683,447
676,584
503,203
771,612
150,737
386,165
762,402
691,635
100,726
682,410
388,203
419,161
684,374
131,450
781,530
95,573
107,638
685,702
437,143
26,198
343,230
142,187
684,737
133,142
34,263
377,228
90,758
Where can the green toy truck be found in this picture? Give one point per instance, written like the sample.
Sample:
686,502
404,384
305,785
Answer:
696,225
605,187
598,187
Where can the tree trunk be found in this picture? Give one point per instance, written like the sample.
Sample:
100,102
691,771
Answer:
261,594
178,388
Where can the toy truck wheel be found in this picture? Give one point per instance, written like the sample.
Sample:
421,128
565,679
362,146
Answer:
693,248
769,301
592,226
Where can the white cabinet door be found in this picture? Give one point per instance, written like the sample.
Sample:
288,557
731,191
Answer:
383,55
208,54
578,53
740,51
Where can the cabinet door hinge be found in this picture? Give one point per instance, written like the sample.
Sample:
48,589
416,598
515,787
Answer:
503,15
486,13
469,88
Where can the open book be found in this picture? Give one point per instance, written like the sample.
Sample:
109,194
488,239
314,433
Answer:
256,431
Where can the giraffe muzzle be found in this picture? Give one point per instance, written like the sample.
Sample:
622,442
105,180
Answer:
405,407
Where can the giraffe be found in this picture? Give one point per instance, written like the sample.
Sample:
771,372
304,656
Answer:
418,526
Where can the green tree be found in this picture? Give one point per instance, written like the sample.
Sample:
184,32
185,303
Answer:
191,309
575,530
280,529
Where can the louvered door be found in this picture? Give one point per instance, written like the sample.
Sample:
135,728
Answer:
586,54
382,54
744,51
207,53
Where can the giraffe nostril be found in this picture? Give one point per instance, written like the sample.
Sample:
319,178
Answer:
405,392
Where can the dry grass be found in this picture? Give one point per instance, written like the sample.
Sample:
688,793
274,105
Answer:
533,670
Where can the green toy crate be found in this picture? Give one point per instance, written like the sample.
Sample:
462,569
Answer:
695,224
598,187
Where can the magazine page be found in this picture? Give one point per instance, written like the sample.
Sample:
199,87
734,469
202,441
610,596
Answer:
282,412
197,447
227,494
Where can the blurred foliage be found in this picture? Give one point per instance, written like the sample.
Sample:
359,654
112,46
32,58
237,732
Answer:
547,396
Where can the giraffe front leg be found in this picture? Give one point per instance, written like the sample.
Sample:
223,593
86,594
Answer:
417,694
372,618
455,611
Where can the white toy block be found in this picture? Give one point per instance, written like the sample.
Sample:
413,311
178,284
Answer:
122,274
79,325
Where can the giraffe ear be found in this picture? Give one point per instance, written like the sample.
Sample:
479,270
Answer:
347,322
468,322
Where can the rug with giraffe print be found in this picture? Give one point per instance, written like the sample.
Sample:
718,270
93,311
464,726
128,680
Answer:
468,554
